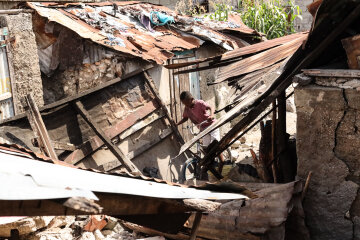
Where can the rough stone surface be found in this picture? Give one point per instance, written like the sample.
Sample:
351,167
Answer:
303,24
79,78
25,61
52,234
326,145
25,225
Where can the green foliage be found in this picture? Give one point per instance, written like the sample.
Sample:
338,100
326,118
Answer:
273,18
221,12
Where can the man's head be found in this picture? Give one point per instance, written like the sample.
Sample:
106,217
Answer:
187,99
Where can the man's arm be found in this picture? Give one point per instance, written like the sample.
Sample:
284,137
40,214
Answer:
182,121
208,108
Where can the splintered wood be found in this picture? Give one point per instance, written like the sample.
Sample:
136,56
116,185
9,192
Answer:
38,126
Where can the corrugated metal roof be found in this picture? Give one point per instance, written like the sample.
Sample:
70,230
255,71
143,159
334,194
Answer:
260,60
126,27
240,52
47,178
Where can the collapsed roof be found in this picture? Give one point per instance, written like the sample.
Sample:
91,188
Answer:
144,30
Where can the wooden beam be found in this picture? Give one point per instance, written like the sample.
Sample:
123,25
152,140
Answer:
107,141
38,127
153,90
195,225
57,145
152,232
16,11
274,164
95,142
12,75
112,204
306,186
287,172
345,73
131,155
79,95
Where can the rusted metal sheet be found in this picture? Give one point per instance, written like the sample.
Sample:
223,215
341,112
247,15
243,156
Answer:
260,60
128,29
243,51
6,103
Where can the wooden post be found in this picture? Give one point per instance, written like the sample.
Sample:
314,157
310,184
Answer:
273,143
306,186
260,167
153,90
287,169
195,226
38,126
107,141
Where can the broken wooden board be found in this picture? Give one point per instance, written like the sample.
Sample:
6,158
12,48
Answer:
114,149
39,128
95,143
338,73
133,154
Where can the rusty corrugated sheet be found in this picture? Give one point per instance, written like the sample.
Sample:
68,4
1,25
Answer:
260,60
129,31
240,52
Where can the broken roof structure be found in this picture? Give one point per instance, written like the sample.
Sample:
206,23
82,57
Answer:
144,30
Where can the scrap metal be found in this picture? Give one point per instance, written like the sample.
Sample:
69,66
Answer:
128,27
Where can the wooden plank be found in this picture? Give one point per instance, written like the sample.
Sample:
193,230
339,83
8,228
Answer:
95,143
287,170
260,167
153,90
306,186
78,96
112,204
152,232
11,73
195,226
345,73
274,165
164,134
16,11
129,132
131,155
107,141
57,145
38,126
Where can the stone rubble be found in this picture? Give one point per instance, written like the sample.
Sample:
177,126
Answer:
66,228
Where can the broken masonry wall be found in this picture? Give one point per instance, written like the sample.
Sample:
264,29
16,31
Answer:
71,64
218,95
303,24
328,143
25,61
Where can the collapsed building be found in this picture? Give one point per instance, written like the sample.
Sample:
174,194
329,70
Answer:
108,93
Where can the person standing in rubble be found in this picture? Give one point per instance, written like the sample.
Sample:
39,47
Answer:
202,115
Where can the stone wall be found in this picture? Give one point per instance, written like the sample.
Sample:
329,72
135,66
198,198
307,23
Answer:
303,24
25,61
328,143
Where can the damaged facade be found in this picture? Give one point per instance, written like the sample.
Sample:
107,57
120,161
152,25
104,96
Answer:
107,87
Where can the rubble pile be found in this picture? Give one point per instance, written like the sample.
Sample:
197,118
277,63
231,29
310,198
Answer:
95,227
